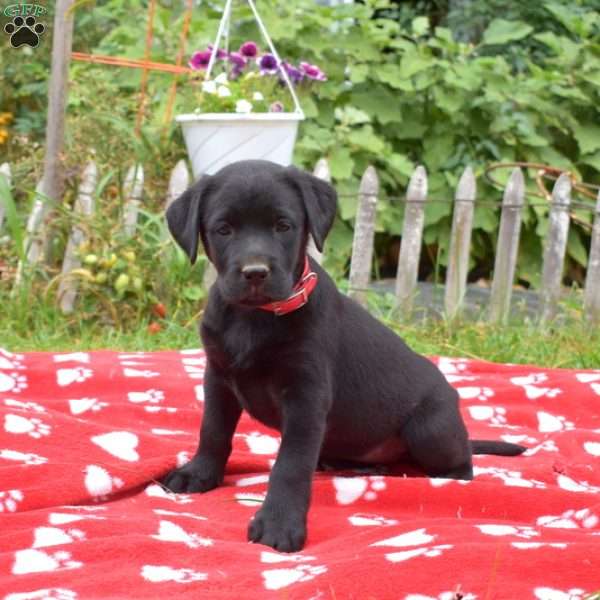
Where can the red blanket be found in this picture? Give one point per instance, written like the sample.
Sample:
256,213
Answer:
84,437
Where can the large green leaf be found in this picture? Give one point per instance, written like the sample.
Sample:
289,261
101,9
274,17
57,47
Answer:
341,163
588,137
366,139
501,31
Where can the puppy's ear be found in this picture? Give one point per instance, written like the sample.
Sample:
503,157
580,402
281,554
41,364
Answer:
320,203
184,216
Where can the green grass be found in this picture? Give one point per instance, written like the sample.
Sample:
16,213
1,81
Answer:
28,325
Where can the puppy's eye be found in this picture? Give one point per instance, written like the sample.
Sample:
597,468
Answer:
225,230
282,225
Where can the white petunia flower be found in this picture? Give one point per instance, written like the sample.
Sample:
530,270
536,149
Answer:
210,87
243,106
223,91
222,79
257,96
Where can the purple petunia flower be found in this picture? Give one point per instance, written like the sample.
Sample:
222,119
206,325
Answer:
249,49
267,64
199,60
221,54
237,60
312,71
295,74
276,107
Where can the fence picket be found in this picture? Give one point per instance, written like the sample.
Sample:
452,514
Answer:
132,192
591,300
322,172
178,182
33,243
507,247
364,233
412,235
4,170
555,247
460,242
84,205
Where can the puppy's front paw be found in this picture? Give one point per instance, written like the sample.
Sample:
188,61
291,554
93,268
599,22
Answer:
283,531
199,475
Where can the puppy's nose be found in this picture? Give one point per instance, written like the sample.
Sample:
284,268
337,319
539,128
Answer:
255,273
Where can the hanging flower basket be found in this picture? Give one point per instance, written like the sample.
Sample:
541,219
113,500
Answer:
214,140
241,115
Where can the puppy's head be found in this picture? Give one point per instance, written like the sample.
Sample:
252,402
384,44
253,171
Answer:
253,218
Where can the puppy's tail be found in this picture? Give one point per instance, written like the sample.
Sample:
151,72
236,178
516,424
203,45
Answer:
493,447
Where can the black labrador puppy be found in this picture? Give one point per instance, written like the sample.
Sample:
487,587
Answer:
299,356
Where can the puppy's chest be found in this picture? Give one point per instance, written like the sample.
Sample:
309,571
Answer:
258,397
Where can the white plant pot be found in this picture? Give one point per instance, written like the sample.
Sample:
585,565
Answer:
215,140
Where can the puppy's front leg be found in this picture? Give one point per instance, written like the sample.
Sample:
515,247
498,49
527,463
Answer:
221,414
281,522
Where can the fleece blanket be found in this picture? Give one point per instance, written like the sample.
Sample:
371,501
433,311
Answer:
84,437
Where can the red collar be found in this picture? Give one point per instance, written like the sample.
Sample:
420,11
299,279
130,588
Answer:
299,296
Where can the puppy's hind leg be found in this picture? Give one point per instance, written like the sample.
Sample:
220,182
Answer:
437,439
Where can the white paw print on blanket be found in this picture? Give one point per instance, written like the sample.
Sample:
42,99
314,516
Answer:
33,427
452,366
418,537
11,361
570,519
496,415
157,491
545,446
82,357
569,484
475,393
39,561
531,384
521,531
509,478
66,377
12,382
171,532
350,489
26,406
443,596
100,483
10,499
121,444
592,448
28,458
275,579
79,406
151,396
44,594
592,378
366,520
546,593
161,573
259,443
548,423
54,536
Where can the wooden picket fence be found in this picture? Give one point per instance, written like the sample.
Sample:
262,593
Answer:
362,248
